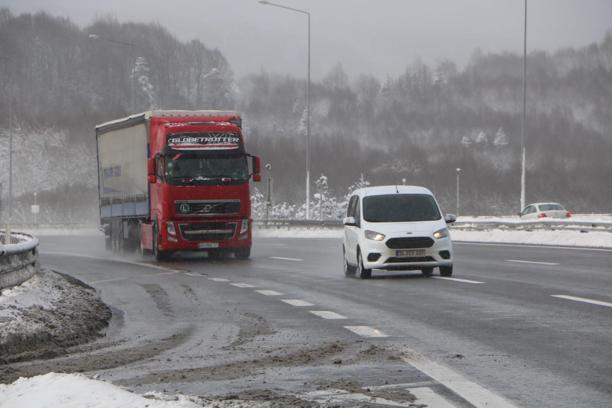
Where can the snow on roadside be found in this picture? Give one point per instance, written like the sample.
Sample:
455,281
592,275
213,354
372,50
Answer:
596,239
54,390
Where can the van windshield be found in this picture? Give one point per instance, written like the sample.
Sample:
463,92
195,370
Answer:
400,208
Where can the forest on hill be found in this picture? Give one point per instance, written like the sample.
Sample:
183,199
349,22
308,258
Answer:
59,80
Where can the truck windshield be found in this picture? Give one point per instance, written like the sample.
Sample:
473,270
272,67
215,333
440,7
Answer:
194,169
400,208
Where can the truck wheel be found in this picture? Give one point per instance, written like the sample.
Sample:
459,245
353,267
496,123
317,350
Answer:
446,270
159,255
427,272
242,253
362,272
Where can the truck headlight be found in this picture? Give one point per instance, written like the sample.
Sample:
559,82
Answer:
443,233
170,229
244,226
373,235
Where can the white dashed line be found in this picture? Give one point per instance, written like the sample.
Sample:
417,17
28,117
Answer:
269,292
280,258
326,314
532,262
583,300
242,285
297,302
167,273
366,331
219,279
457,280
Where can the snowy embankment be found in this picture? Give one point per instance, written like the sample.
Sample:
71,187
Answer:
47,314
559,236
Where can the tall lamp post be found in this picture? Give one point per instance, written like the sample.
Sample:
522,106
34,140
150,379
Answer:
458,178
524,111
97,37
306,13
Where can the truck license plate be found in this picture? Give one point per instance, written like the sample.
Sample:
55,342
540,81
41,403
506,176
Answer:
206,245
410,253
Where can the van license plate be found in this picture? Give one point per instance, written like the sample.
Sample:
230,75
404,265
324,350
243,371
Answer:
206,245
410,253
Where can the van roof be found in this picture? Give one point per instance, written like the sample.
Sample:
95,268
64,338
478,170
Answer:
393,189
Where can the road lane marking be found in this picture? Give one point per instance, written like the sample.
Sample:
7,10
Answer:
475,394
107,280
281,258
366,331
219,279
531,246
584,300
326,314
533,262
269,292
242,285
457,279
99,258
167,273
297,302
426,396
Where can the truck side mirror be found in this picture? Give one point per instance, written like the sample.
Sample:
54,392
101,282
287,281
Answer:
151,170
256,168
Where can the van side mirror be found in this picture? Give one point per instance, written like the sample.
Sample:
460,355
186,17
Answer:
350,222
450,218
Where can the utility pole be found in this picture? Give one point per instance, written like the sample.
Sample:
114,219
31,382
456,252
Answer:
523,155
458,178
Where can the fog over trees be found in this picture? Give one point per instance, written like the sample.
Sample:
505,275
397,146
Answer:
57,78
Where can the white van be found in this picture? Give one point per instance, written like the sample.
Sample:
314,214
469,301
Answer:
396,228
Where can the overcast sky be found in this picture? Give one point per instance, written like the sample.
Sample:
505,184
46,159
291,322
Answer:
379,37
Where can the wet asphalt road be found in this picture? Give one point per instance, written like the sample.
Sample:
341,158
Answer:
522,322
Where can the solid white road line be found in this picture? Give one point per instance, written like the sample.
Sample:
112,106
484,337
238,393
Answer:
584,300
456,279
475,394
297,302
281,258
99,258
219,279
532,246
242,285
426,396
366,331
107,280
532,262
326,314
269,292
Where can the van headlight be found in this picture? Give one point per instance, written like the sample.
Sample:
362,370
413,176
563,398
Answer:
443,233
373,235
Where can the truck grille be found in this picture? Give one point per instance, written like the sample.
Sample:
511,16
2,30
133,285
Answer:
208,231
207,207
410,242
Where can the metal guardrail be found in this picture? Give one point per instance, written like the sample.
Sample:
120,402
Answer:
466,225
18,260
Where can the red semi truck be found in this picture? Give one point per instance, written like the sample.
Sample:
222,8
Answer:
176,181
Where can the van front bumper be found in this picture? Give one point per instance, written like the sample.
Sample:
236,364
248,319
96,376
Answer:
377,255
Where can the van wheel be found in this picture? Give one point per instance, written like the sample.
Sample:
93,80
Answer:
446,270
348,269
362,272
427,272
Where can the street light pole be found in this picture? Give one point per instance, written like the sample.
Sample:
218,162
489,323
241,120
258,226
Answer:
458,177
268,3
524,110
